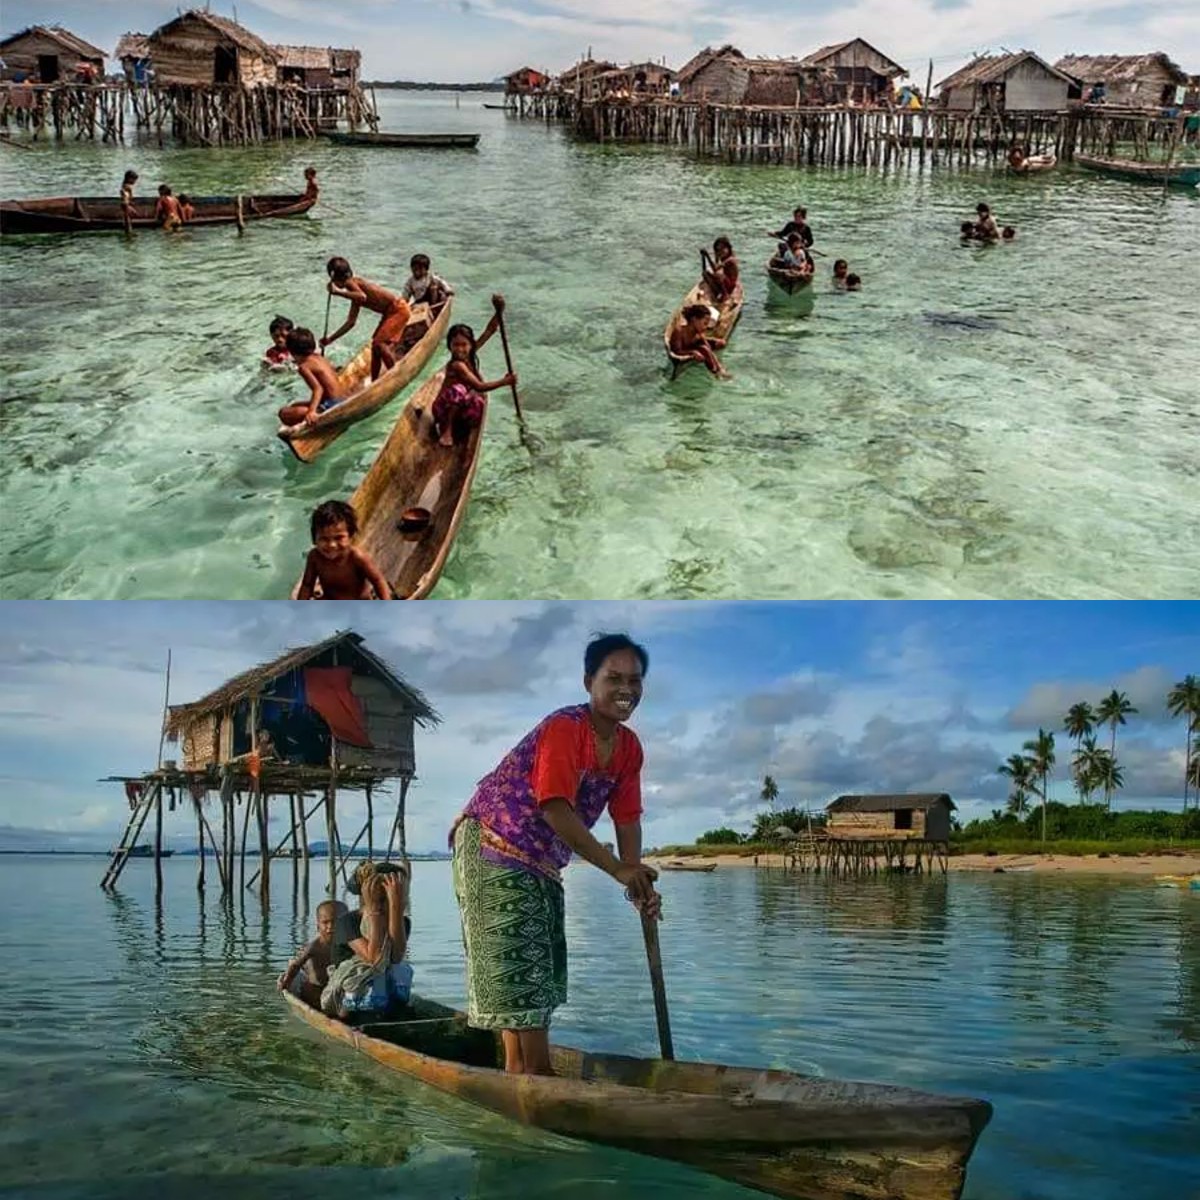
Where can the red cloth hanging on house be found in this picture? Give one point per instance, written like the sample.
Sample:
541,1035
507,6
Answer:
327,689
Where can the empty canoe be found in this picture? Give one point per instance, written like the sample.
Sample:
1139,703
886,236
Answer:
95,214
367,398
795,1136
428,141
687,866
1184,174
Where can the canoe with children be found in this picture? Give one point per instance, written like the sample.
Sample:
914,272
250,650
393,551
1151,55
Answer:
411,326
704,322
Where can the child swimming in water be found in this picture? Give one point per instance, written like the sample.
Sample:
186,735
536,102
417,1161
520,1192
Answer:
277,355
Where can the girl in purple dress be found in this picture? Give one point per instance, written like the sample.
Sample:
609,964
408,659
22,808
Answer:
459,405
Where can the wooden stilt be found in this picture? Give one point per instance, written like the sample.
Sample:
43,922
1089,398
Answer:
158,829
199,845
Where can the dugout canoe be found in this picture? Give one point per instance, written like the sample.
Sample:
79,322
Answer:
428,141
97,214
788,279
728,312
687,866
1182,174
367,398
801,1137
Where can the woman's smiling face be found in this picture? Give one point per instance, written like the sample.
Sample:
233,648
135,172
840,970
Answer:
616,688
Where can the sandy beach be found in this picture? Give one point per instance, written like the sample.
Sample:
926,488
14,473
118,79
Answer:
1183,863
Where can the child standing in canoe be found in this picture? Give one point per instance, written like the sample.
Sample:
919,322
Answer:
343,571
460,404
393,312
317,371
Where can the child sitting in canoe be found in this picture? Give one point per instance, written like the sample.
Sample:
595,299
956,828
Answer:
335,564
308,972
460,404
722,279
423,286
692,339
318,372
393,312
277,355
797,257
167,211
798,224
369,974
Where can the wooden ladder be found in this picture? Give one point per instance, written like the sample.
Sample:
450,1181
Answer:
129,838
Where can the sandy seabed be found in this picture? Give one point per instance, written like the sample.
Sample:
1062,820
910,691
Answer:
1184,863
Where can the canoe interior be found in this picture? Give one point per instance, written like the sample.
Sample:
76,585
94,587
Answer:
413,471
730,309
790,280
364,397
104,212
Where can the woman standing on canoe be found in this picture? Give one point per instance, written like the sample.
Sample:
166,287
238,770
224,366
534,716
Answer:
518,832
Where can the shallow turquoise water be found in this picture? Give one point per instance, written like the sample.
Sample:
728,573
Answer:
143,1051
1005,421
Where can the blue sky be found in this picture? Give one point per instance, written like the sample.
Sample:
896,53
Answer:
828,698
468,40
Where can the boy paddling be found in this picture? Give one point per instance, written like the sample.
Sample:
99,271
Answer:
393,311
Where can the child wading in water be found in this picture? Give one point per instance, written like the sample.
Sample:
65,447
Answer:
692,339
167,212
308,972
343,571
311,190
277,354
459,405
362,293
841,269
318,372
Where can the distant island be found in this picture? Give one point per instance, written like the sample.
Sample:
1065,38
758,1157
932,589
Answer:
409,85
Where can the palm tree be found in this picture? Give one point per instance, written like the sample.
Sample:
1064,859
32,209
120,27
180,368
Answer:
1194,772
1109,775
1183,700
1085,766
1017,769
1079,723
1112,711
1040,752
770,791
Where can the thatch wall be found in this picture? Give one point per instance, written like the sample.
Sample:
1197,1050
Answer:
198,745
773,88
23,52
1020,82
1130,80
200,48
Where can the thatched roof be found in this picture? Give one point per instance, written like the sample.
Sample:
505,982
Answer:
132,45
818,57
239,35
697,63
994,67
305,58
64,37
586,68
253,682
1121,68
921,801
345,60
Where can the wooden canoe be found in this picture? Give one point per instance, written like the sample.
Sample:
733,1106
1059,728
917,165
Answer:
687,866
1034,164
95,214
728,312
1183,174
307,441
796,1136
429,141
788,279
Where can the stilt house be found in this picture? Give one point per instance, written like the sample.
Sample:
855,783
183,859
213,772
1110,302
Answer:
524,81
920,815
853,72
1006,83
583,79
333,704
1126,80
133,53
200,48
50,54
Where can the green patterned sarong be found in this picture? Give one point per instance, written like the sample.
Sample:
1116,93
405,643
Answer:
514,937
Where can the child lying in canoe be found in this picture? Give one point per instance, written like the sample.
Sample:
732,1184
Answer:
459,405
369,974
342,571
692,339
308,972
318,372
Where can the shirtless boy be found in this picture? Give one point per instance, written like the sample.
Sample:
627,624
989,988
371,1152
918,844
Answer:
393,310
167,212
343,571
692,339
308,972
320,375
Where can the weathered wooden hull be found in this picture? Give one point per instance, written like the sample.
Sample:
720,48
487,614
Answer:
427,141
99,214
794,1136
788,280
1183,175
679,866
730,309
307,441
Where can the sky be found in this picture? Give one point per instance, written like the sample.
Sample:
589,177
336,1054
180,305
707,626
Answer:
832,698
474,40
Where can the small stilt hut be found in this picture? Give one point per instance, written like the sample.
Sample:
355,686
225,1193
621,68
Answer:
314,720
51,54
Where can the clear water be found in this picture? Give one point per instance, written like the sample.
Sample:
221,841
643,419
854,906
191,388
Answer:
144,1052
1006,421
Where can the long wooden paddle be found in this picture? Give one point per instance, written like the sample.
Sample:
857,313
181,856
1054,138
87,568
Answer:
654,959
328,302
525,438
